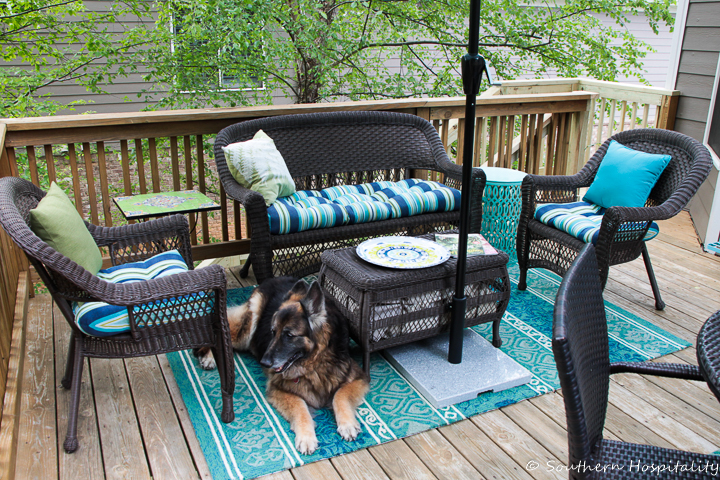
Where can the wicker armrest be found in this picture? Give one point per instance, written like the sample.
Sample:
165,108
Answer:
161,234
140,232
674,370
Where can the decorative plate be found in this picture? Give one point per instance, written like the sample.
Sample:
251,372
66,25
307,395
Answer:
402,252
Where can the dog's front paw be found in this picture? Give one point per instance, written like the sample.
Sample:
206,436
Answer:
207,361
349,431
306,444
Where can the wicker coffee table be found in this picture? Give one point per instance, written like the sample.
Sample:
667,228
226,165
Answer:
388,307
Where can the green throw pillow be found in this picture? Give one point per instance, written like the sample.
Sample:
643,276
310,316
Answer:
58,224
625,177
256,164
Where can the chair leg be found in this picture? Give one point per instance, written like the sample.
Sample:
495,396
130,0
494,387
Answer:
522,281
497,341
246,268
66,381
71,441
659,304
227,387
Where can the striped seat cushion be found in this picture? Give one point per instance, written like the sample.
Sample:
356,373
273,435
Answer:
582,220
101,319
351,204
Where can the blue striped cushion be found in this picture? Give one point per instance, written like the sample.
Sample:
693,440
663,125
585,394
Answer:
101,319
582,220
351,204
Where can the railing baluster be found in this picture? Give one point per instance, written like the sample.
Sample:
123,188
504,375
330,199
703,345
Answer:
444,133
532,153
623,113
140,165
104,189
522,152
646,112
237,219
201,185
611,118
550,149
633,118
50,162
509,141
560,154
224,215
588,136
90,175
175,165
483,140
189,186
76,179
539,130
492,141
154,167
600,137
460,156
125,156
502,133
32,165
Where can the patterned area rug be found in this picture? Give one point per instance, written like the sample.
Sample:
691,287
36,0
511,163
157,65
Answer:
260,441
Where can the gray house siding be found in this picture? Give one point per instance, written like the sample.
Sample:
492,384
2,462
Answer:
696,80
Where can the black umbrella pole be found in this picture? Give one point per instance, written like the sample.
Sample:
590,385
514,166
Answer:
473,66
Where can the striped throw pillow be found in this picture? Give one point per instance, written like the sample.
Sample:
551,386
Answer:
101,319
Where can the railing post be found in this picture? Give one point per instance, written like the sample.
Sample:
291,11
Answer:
668,110
6,168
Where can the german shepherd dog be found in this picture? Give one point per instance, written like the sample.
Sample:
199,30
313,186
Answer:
302,342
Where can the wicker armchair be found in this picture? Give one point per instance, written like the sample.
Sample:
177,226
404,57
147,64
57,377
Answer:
327,149
580,346
621,234
195,292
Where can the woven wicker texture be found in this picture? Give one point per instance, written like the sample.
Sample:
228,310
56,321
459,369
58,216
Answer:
580,346
623,229
388,307
342,148
708,352
153,329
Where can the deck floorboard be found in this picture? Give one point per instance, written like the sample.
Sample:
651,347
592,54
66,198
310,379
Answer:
134,424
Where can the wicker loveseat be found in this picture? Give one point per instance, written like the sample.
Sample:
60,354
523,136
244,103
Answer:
324,150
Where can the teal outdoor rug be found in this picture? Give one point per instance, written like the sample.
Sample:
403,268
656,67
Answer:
260,441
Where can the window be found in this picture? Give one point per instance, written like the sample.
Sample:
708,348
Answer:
203,60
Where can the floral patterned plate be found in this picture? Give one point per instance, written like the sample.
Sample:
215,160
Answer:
402,252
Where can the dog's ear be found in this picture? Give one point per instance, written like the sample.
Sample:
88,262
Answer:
299,290
314,304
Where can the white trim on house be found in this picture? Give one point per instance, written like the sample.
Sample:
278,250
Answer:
713,229
677,41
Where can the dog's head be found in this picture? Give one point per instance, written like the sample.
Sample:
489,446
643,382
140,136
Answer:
295,328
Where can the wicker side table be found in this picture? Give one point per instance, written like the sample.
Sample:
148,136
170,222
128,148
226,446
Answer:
388,307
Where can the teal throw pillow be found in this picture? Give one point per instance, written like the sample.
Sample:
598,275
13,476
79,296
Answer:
56,221
625,177
256,164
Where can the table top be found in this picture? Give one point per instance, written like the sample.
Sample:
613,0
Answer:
503,176
708,352
138,207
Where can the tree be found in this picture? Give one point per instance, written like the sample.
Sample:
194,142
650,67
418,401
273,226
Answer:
48,42
320,50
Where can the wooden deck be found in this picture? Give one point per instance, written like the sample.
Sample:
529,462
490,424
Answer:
133,423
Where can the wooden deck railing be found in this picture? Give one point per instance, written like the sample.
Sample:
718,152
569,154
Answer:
97,157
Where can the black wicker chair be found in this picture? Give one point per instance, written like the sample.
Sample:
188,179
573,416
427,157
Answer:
327,149
195,292
622,230
580,346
